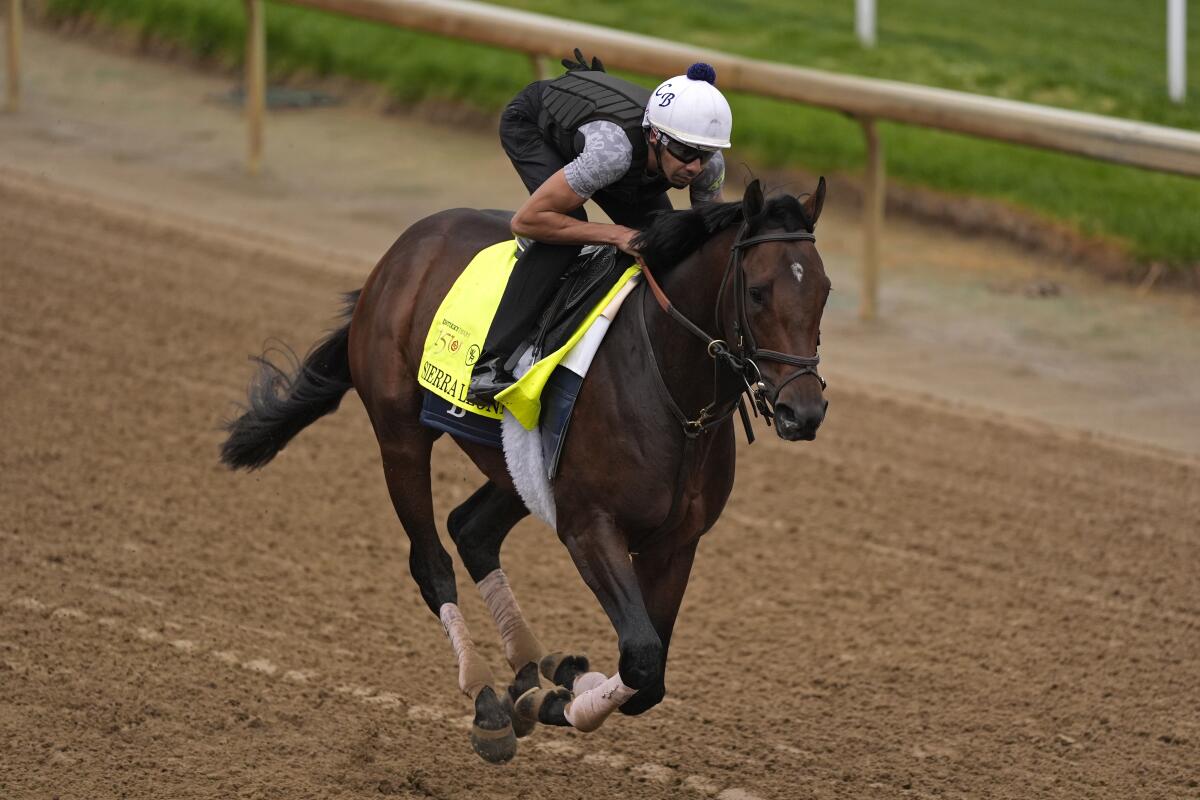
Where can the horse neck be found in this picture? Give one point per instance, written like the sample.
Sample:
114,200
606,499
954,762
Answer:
692,287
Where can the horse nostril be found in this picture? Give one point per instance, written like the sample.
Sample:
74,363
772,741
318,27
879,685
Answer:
785,415
803,425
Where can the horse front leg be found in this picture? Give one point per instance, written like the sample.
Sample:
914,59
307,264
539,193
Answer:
663,576
600,554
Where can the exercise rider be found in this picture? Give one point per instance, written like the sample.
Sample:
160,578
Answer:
586,135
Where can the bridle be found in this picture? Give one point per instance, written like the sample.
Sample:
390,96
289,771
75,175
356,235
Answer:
740,363
736,372
748,348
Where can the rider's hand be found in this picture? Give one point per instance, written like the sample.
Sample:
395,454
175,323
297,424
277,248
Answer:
581,63
624,241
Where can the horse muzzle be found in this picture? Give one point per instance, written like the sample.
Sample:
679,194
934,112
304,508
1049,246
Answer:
800,423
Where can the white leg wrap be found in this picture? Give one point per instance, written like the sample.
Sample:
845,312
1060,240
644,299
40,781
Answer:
588,711
520,645
473,671
586,681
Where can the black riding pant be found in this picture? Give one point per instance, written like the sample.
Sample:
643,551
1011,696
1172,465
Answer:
537,273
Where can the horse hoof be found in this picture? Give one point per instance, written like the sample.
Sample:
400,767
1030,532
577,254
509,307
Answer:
494,747
492,734
521,727
547,706
563,668
526,679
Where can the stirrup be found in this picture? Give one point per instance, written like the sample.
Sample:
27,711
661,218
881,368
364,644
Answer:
488,379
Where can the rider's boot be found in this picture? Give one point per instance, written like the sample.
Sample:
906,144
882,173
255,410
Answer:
488,379
534,280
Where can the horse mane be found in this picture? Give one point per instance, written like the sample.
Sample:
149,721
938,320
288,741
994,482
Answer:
672,236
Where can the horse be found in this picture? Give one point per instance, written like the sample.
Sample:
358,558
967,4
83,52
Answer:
649,461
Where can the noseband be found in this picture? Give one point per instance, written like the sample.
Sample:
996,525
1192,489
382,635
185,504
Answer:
742,361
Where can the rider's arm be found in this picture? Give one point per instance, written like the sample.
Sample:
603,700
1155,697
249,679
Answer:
544,218
707,186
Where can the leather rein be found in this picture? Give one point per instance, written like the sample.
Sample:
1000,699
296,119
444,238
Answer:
742,361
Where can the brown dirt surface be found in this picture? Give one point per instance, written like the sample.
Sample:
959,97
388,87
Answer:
966,587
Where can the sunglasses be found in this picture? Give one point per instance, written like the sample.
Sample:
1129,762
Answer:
685,153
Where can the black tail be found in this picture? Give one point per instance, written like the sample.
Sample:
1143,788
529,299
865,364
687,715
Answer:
283,403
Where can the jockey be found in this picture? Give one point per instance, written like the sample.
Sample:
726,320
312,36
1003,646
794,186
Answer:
586,135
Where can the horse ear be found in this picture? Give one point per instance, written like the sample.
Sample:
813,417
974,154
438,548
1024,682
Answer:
812,206
752,201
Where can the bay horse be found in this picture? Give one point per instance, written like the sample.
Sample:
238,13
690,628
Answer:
649,462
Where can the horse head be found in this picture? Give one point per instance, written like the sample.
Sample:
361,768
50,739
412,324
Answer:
779,289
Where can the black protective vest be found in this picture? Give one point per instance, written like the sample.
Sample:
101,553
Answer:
583,96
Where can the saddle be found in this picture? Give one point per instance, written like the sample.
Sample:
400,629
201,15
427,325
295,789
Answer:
585,283
552,360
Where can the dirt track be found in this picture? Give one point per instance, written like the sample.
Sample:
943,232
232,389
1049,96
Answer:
964,603
922,603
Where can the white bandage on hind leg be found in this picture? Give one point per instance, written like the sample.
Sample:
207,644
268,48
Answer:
520,645
473,672
588,681
588,711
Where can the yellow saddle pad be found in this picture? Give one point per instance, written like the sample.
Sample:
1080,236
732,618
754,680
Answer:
460,326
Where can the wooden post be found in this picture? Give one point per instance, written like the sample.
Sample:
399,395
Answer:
542,68
873,197
256,81
14,55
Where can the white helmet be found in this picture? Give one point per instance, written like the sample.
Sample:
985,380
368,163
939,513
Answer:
690,109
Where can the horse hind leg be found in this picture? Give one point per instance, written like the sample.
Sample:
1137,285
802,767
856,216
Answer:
406,467
492,733
478,528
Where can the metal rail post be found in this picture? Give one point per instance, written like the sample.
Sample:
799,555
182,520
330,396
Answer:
14,55
864,22
1177,50
256,81
874,192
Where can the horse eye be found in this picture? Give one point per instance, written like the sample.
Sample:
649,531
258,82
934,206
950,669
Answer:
756,294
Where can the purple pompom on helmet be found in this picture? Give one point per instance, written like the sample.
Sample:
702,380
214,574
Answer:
702,72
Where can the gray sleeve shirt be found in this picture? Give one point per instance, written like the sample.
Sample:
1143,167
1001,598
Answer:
707,186
607,156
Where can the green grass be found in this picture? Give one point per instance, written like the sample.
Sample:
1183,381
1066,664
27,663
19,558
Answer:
1103,56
